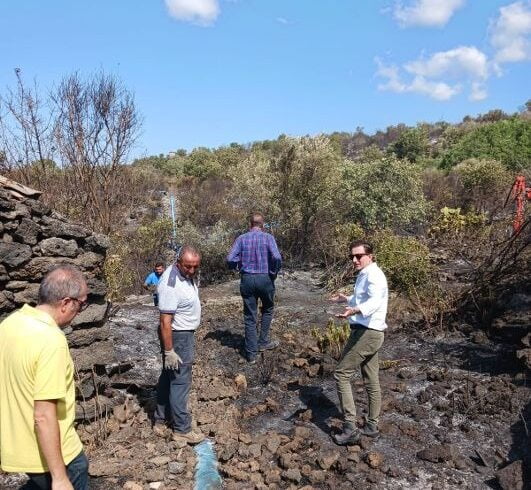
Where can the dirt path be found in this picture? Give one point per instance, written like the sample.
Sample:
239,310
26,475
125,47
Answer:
452,410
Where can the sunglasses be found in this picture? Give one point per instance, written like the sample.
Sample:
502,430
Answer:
357,256
82,305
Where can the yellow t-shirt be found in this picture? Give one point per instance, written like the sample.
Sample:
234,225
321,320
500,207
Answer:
35,364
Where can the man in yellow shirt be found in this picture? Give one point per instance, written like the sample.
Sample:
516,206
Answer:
37,392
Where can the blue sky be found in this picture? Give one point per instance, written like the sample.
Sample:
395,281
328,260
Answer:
212,72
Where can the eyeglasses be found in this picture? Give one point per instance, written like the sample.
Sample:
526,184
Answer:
82,305
357,256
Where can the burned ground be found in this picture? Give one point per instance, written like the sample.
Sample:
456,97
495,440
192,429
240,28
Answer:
455,406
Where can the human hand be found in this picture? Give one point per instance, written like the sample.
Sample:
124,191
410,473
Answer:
62,483
338,298
171,359
348,312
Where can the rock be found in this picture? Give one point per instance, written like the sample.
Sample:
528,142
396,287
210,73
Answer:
28,295
374,459
245,438
292,474
272,477
38,266
58,228
303,432
328,459
97,353
96,287
95,313
6,300
85,336
156,485
317,476
89,260
27,231
98,242
59,247
511,477
132,485
160,460
176,467
437,453
272,443
255,450
525,357
14,254
241,382
300,362
479,337
286,461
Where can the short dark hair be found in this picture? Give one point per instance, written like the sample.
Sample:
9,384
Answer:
367,246
256,219
63,281
159,264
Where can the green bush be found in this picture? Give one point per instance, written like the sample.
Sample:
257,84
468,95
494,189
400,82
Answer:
507,141
405,261
385,193
452,221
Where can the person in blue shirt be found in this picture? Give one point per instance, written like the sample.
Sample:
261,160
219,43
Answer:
152,281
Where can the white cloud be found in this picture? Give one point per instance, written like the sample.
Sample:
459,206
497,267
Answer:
478,92
430,13
464,61
441,76
282,20
510,33
201,12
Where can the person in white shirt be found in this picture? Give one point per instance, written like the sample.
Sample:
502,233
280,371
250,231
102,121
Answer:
366,310
180,314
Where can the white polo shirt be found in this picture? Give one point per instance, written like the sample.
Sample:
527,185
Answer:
370,296
179,297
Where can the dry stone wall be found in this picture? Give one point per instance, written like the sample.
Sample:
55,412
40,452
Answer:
34,238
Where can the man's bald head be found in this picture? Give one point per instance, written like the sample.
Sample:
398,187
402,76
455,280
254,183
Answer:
64,281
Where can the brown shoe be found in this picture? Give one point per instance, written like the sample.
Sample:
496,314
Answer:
160,430
192,437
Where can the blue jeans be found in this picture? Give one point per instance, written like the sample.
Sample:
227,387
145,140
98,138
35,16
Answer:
174,385
77,471
254,287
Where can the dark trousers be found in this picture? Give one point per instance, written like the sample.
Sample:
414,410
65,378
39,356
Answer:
174,385
77,471
254,287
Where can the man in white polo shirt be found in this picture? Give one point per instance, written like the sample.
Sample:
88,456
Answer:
366,311
180,314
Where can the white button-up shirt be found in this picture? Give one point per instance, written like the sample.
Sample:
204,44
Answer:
370,296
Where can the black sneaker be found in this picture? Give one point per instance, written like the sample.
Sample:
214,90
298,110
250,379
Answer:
251,360
350,436
273,344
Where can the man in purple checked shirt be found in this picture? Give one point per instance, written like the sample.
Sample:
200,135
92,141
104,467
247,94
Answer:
255,254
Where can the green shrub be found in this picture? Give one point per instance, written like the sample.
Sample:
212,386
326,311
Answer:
333,339
452,221
386,193
405,261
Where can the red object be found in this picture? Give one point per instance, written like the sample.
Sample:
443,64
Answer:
520,193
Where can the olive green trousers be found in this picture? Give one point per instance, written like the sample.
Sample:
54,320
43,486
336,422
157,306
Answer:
361,351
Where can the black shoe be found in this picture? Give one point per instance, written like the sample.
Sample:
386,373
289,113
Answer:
350,436
370,430
273,344
251,360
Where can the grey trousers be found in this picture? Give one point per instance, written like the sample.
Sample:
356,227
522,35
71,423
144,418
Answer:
173,388
361,351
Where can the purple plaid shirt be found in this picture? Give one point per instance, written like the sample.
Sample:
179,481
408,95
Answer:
255,252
